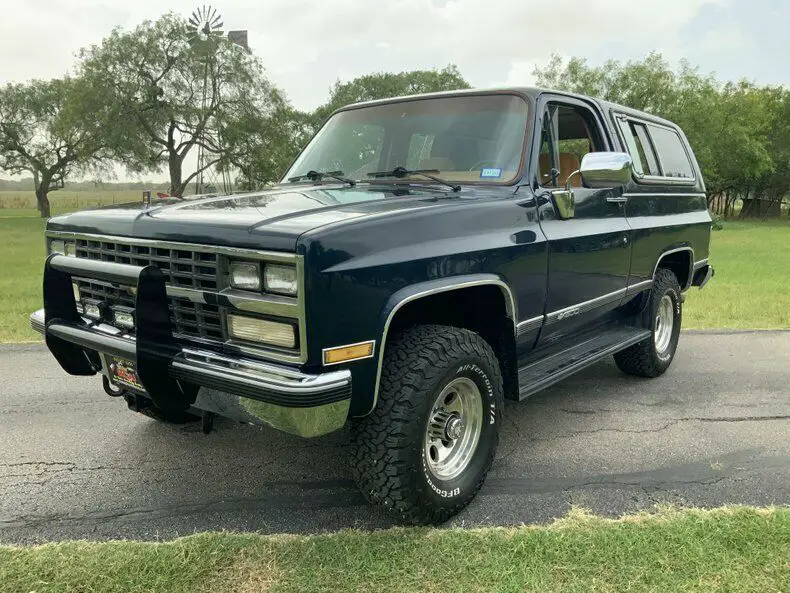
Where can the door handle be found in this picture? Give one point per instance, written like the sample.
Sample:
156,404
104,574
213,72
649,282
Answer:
617,199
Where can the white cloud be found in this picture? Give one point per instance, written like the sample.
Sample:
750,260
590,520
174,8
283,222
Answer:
308,45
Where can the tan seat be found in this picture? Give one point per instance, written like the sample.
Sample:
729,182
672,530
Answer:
569,163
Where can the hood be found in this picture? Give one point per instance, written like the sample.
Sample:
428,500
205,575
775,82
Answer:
271,219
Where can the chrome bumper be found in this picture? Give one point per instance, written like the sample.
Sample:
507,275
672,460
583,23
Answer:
243,389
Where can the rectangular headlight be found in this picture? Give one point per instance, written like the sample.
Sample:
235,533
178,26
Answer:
261,330
280,279
245,275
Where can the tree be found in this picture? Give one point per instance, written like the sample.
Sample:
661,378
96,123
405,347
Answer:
388,84
738,131
264,147
170,92
49,129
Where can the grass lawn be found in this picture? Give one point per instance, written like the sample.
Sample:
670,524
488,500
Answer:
751,288
736,549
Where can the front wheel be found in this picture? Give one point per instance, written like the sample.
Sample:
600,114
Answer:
664,313
424,451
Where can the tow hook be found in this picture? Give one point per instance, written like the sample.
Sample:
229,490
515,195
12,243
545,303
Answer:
208,421
109,388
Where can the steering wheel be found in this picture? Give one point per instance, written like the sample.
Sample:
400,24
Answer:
482,165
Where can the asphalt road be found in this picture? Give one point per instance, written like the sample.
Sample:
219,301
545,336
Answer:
74,463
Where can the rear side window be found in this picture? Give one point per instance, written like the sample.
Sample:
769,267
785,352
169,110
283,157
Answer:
674,160
657,151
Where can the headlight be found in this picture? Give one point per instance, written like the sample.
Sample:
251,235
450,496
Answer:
63,247
280,279
245,275
252,329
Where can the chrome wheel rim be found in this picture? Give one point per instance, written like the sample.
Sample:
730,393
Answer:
454,428
665,322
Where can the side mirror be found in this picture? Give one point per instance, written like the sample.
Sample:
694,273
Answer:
564,202
606,169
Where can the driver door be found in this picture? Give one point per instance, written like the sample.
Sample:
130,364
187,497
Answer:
589,253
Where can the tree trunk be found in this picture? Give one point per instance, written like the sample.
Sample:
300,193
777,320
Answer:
42,191
174,165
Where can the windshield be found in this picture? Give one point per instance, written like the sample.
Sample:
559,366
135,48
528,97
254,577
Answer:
462,139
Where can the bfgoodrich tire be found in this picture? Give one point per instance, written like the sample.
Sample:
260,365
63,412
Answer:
425,450
664,314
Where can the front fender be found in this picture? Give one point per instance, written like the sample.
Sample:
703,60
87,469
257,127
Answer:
417,291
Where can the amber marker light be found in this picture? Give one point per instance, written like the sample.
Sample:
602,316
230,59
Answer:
340,354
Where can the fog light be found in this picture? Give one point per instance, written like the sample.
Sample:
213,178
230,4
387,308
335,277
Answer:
57,247
92,309
123,317
68,248
261,330
245,275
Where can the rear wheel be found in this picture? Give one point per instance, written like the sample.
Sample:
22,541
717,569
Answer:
664,314
424,451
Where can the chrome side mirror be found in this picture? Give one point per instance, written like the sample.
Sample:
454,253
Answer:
606,169
564,202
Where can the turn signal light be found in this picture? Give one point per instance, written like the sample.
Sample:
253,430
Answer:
351,352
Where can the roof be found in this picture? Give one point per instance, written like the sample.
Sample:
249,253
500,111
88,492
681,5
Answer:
524,91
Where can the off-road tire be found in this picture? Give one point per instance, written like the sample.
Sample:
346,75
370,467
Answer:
388,454
643,359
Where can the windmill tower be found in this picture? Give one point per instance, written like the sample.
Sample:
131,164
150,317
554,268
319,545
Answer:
206,30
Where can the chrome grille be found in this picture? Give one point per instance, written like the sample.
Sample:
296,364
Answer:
182,268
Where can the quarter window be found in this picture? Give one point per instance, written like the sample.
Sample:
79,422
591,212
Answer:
674,160
657,151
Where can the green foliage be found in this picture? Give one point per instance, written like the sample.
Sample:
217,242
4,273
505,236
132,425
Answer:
165,92
49,129
740,133
382,85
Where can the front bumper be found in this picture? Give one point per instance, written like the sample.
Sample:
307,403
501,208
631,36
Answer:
172,374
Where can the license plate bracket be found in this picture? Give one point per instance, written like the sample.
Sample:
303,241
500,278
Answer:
124,373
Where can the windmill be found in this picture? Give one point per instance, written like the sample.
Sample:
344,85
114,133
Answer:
206,29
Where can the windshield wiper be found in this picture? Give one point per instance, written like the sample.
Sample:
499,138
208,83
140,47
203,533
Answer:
404,172
319,175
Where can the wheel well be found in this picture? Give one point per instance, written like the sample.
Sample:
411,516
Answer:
680,264
482,309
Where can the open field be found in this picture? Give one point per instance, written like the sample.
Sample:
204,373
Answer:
23,203
736,549
751,288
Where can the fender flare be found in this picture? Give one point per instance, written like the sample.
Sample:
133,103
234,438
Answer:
663,254
420,290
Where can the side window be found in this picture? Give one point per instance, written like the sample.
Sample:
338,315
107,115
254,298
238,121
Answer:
674,159
656,150
569,133
638,143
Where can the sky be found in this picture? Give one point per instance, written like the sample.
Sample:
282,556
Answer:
307,46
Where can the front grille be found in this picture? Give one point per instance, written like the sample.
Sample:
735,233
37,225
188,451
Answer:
182,268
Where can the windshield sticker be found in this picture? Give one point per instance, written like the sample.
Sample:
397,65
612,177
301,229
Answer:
490,173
